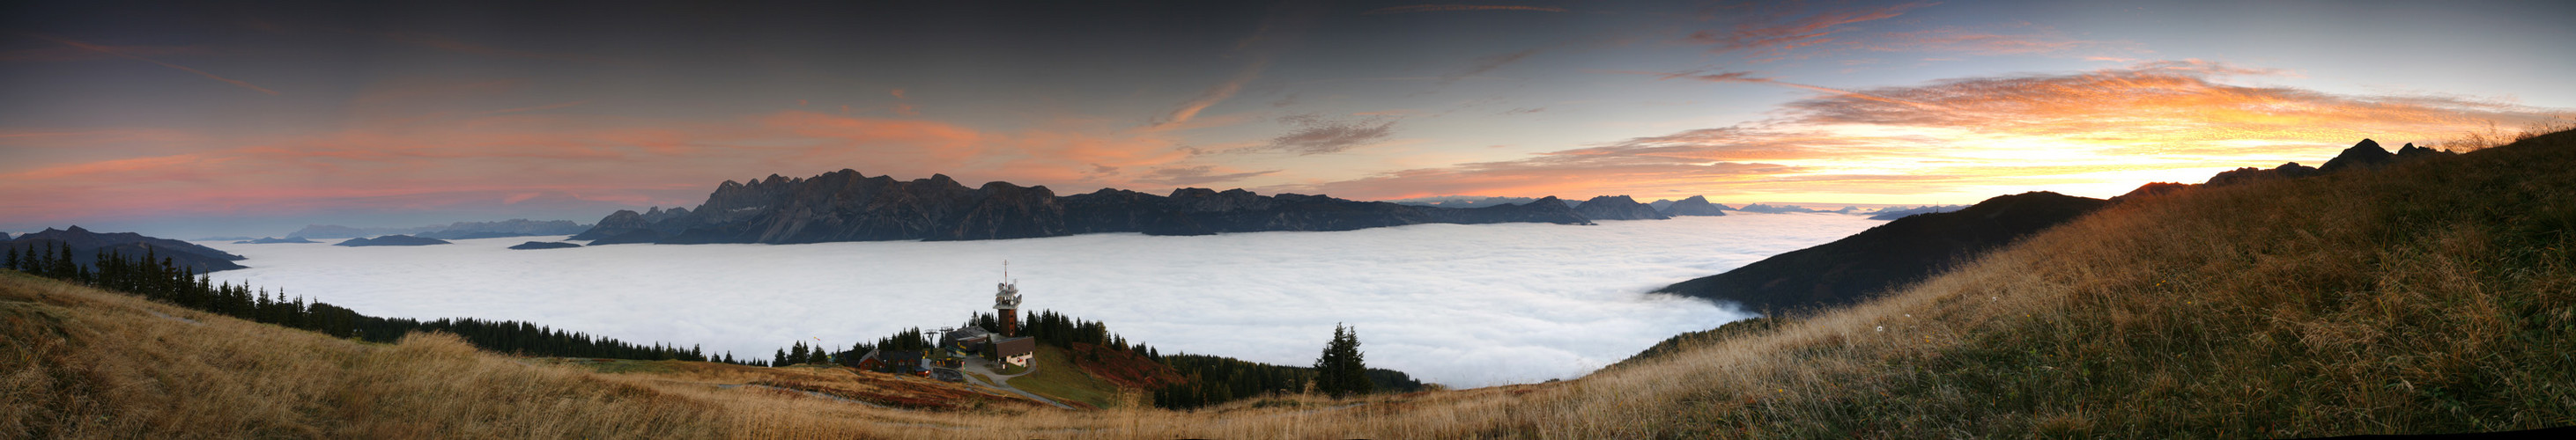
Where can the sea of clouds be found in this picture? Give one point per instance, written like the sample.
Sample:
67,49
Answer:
1463,305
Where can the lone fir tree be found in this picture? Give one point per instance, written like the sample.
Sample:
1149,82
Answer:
1341,371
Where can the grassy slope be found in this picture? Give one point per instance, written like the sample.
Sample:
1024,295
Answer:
2434,297
1058,378
83,363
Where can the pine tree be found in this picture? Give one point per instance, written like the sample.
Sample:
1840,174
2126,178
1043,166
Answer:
780,359
1341,371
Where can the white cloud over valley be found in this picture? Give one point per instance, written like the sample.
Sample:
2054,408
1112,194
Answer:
1464,305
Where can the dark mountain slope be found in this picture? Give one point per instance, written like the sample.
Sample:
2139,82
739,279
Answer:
86,245
1905,250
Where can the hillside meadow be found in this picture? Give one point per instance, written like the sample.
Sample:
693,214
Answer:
2435,296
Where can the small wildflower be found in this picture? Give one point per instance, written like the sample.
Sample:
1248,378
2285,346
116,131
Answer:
1882,328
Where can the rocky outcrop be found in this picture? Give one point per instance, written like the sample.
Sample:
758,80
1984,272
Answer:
1695,205
1617,208
2412,152
86,246
391,240
631,225
1906,250
2365,155
847,206
543,245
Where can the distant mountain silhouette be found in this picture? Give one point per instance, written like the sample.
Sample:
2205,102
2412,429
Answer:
85,246
1465,201
391,240
1784,209
2365,155
1617,208
544,245
847,206
1905,250
1892,213
1695,206
451,231
270,240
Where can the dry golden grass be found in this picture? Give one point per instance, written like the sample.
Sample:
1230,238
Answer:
2436,296
84,364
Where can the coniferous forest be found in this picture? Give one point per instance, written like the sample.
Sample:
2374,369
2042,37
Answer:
1210,380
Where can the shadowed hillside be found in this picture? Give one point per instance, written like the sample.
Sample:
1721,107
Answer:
2432,296
1906,250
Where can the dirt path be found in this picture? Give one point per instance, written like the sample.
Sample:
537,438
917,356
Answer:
809,393
1004,381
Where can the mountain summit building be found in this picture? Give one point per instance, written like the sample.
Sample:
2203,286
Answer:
1006,302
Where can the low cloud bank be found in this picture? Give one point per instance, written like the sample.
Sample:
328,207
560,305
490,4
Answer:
1465,305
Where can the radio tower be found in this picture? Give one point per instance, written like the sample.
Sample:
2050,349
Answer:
1007,302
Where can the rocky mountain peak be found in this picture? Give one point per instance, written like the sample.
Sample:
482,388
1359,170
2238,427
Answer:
1620,207
2412,152
1695,205
2367,154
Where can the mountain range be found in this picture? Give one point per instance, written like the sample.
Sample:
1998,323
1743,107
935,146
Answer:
451,231
391,240
848,206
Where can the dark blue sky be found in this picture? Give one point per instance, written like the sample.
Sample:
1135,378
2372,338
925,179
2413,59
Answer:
207,116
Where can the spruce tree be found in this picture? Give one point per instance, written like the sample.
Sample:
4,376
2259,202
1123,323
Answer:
1341,371
780,359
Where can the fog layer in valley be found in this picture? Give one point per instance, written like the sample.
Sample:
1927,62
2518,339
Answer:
1464,305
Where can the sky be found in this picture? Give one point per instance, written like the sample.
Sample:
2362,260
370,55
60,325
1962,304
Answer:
256,118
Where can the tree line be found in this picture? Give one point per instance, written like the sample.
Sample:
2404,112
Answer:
1210,379
1339,371
160,279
